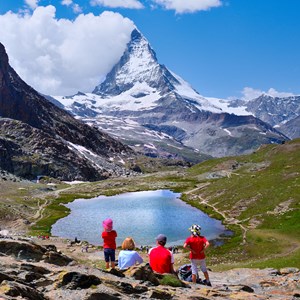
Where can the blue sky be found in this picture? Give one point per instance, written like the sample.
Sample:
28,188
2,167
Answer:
223,48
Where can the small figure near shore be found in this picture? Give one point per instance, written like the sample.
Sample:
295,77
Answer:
173,249
109,243
197,243
128,256
84,247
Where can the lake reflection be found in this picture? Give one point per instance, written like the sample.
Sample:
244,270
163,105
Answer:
142,215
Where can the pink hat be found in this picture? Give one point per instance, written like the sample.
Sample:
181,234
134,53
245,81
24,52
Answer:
107,224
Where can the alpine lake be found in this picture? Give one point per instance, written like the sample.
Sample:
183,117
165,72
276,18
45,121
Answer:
141,215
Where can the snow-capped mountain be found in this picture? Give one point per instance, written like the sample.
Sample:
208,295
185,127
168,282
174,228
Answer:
138,75
144,103
277,111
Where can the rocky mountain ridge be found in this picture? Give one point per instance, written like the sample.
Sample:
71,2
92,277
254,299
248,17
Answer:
140,91
38,138
280,112
291,128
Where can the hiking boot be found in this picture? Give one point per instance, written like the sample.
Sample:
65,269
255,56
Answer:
205,282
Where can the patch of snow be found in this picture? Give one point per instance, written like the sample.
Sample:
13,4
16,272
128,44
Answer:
122,161
81,149
226,130
151,146
130,121
124,101
73,182
4,232
186,91
66,101
224,106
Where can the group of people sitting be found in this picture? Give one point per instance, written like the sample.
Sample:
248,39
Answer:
161,259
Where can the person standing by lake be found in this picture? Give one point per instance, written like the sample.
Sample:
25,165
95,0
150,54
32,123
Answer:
109,243
128,256
197,243
161,259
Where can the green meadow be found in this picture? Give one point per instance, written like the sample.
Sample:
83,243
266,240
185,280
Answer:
256,196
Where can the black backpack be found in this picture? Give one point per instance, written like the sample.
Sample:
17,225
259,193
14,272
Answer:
185,273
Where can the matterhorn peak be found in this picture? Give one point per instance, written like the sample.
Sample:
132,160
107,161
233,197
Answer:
138,65
139,42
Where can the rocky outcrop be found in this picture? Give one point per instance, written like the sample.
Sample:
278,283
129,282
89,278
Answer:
31,276
27,152
39,138
291,128
23,250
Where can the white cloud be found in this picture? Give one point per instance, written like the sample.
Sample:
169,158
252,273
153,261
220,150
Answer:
118,3
76,9
66,2
250,93
59,56
274,93
32,3
188,6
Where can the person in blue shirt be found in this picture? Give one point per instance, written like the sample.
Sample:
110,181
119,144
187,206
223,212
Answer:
128,256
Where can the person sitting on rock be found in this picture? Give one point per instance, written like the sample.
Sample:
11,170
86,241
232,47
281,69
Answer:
161,259
128,256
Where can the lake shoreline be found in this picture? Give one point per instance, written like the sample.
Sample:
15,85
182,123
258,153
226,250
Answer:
83,218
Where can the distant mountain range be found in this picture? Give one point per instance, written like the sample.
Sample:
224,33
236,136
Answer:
140,104
38,138
282,113
157,113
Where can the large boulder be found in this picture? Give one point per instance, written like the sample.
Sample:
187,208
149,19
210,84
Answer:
75,280
29,251
16,290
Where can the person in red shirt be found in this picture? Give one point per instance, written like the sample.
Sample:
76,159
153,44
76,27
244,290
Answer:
197,243
109,243
161,259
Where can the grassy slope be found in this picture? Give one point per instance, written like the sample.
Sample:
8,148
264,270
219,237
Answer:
263,191
256,195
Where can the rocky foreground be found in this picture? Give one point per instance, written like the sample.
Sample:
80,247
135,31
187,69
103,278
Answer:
29,270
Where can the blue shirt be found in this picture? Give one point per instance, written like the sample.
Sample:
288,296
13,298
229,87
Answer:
128,258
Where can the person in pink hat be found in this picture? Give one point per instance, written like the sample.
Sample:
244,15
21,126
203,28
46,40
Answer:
109,243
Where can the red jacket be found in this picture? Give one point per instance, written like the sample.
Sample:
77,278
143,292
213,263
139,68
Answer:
197,244
161,259
109,239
